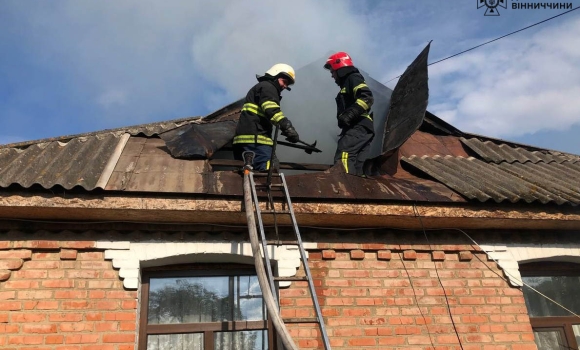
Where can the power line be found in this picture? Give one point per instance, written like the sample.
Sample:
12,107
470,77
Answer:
501,37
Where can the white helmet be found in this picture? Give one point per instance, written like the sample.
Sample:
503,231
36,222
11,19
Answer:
284,70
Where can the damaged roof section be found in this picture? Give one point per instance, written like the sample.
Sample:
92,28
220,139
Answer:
505,173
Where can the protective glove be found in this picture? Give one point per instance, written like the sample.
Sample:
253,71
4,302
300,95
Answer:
350,116
288,131
291,135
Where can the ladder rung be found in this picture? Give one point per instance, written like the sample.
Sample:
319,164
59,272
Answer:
300,320
293,278
273,242
271,185
275,211
266,174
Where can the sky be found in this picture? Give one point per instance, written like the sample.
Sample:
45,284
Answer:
70,66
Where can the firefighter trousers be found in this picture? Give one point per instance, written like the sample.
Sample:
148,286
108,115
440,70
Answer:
353,149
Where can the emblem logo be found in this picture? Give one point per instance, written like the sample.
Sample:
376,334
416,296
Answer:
491,6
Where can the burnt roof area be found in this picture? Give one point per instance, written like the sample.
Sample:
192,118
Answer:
437,163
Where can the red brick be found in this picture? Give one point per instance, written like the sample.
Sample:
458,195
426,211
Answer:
65,317
81,338
391,340
384,255
121,294
409,255
503,338
95,265
5,275
357,254
7,295
11,264
362,342
9,328
70,294
37,244
347,332
10,305
129,304
438,255
88,274
74,305
35,294
328,254
39,328
465,256
25,339
124,316
76,326
93,316
78,244
40,305
68,254
91,256
54,339
27,317
42,264
58,284
16,253
127,326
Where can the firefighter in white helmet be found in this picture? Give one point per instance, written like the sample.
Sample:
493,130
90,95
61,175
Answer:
261,111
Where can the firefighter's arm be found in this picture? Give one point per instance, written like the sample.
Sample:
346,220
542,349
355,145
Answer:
270,103
363,102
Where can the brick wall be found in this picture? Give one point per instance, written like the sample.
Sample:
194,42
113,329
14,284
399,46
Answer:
378,298
63,296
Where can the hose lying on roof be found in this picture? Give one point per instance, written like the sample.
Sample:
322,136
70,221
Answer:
271,305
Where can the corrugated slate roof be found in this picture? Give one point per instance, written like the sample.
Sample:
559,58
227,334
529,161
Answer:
78,162
498,153
514,182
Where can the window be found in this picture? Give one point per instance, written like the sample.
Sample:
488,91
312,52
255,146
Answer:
203,307
554,327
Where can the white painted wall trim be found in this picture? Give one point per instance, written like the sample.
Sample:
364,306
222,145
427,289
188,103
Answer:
510,256
130,257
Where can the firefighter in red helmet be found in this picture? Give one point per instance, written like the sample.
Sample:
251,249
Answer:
261,111
353,103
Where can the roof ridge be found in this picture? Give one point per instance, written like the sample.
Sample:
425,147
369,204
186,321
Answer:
125,129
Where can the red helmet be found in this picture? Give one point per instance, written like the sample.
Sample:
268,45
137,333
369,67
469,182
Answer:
338,60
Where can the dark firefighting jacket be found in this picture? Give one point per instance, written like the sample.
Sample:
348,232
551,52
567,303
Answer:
354,100
261,111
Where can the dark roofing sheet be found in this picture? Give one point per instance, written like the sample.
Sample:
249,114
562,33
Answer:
476,179
492,152
79,162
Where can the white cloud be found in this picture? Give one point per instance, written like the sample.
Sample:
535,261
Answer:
514,86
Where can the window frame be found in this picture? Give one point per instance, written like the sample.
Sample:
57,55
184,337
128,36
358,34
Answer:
207,328
564,323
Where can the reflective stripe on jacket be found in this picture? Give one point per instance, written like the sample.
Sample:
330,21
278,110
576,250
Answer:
355,90
260,112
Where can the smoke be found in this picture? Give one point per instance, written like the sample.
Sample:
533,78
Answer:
311,107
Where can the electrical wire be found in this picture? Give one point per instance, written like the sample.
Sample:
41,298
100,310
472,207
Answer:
496,39
416,212
417,300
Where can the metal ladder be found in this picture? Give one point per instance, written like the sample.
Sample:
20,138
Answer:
287,210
